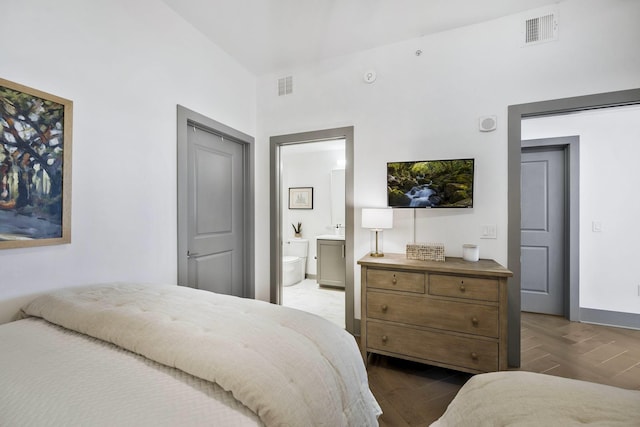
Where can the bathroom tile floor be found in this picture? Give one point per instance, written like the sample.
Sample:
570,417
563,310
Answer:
324,301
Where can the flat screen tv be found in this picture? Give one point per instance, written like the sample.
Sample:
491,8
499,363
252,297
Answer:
430,184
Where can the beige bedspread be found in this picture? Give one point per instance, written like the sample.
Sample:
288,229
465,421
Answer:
289,367
530,399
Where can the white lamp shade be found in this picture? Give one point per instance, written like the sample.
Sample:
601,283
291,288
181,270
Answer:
377,218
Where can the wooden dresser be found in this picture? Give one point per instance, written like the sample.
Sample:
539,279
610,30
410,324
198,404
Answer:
451,314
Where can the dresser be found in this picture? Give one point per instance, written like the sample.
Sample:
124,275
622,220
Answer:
451,314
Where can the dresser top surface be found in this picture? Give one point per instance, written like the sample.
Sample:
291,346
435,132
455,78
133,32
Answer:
483,267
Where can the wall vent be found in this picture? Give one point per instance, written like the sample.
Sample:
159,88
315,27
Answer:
285,85
541,29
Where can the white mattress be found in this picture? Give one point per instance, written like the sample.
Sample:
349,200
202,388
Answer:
51,376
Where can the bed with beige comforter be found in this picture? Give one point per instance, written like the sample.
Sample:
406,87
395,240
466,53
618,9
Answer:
149,355
529,399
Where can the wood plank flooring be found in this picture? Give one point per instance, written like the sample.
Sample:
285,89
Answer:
413,394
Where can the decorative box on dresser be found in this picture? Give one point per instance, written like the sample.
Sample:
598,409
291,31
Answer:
450,313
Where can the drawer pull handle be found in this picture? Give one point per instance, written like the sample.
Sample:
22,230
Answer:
384,338
394,281
474,321
462,288
384,307
474,355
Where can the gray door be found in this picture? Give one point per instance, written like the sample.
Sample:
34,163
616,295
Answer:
543,229
215,213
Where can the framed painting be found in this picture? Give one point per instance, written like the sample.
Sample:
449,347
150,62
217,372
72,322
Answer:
301,198
35,167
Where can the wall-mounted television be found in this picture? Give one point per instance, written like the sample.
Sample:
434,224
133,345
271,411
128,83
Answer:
430,184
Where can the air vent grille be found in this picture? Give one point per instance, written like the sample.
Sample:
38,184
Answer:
541,29
285,85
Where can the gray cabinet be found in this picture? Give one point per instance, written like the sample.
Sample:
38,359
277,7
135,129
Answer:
331,263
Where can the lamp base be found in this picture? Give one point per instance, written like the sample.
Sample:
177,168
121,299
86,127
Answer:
376,249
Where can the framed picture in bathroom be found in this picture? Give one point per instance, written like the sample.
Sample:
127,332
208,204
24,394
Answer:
300,197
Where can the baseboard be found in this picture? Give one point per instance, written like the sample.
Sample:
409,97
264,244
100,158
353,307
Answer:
610,318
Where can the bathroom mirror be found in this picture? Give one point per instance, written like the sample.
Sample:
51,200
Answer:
337,197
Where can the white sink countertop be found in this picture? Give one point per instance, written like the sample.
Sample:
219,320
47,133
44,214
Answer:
330,237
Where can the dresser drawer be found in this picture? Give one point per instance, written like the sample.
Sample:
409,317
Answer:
432,346
434,313
464,287
396,280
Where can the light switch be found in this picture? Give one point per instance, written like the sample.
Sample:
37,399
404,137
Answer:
488,231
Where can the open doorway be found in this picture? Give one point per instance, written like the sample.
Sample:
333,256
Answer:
312,211
517,113
285,217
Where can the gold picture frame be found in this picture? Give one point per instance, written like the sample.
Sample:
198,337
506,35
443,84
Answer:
35,167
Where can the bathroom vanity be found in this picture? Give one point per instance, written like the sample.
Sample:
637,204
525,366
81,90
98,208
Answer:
331,261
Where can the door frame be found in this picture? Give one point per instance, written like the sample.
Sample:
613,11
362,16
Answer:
276,142
515,115
571,150
186,119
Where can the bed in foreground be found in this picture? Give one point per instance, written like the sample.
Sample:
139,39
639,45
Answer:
132,354
519,398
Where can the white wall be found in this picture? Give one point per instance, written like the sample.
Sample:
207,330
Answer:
125,65
427,107
609,175
308,169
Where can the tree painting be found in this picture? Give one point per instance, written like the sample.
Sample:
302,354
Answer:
35,141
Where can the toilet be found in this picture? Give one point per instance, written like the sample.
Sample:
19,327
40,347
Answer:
294,262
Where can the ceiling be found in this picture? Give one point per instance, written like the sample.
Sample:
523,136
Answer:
267,36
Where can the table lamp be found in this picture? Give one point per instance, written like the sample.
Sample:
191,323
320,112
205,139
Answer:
377,219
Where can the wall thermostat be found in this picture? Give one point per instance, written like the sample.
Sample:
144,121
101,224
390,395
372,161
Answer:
369,76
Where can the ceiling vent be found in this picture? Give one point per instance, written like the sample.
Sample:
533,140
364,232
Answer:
541,29
285,85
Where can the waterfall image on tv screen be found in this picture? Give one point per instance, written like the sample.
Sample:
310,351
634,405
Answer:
430,184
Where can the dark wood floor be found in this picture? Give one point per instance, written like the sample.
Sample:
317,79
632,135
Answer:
413,394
